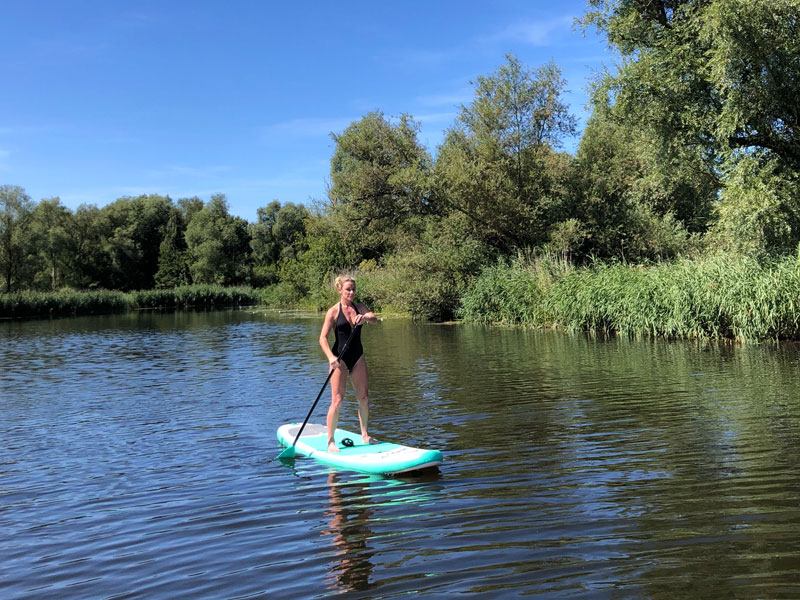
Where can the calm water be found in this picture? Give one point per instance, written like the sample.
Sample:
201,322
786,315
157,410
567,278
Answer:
137,461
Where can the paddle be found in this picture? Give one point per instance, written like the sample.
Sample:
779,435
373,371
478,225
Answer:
289,452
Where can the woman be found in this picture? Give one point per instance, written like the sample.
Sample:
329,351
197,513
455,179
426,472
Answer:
341,318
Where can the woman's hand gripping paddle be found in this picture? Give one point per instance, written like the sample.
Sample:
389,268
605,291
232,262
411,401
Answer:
288,452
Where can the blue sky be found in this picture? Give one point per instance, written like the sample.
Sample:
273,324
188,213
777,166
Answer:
109,98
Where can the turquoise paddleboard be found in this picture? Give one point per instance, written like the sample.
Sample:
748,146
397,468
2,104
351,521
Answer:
383,458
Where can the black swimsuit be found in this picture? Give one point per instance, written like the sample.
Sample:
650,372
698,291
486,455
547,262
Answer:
354,349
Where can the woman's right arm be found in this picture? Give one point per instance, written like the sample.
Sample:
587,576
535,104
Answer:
323,338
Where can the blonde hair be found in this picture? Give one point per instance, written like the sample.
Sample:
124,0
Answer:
341,280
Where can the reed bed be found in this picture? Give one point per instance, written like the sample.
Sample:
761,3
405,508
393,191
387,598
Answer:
513,294
195,296
74,302
62,303
720,296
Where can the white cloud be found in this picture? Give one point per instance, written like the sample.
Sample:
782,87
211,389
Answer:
535,33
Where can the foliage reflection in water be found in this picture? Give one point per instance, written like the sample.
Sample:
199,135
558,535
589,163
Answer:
137,460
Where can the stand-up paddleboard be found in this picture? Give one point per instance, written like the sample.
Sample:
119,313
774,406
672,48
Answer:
383,458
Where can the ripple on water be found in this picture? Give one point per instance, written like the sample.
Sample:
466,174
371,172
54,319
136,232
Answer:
136,461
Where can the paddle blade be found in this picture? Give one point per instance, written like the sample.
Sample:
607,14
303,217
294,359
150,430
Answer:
287,453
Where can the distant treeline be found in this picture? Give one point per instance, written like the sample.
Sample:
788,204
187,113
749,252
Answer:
690,157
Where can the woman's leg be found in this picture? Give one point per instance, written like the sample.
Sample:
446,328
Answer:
360,379
338,385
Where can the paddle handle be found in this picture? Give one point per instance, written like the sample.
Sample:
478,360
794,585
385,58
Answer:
324,385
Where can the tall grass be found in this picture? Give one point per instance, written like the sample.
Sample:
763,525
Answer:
74,302
61,303
193,296
514,294
721,296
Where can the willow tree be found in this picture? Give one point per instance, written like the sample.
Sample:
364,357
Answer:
712,82
173,260
278,235
131,230
499,164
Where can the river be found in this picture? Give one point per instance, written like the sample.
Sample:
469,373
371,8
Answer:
137,460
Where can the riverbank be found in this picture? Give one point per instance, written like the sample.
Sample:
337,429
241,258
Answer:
717,297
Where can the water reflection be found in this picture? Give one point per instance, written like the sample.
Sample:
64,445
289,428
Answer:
350,533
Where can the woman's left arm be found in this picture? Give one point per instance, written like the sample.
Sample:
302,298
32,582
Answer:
365,315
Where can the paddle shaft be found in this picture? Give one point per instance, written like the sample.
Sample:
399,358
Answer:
324,385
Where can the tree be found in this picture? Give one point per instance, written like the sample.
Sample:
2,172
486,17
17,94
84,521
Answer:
499,164
278,234
173,267
328,252
218,245
380,176
89,264
719,75
633,204
50,227
189,207
16,209
132,230
759,209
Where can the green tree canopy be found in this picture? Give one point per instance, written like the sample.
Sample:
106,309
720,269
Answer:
86,242
718,74
632,202
499,165
218,245
278,234
759,209
380,176
16,210
50,231
173,267
133,229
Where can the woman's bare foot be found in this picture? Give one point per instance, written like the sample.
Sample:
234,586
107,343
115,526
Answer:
370,440
332,447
